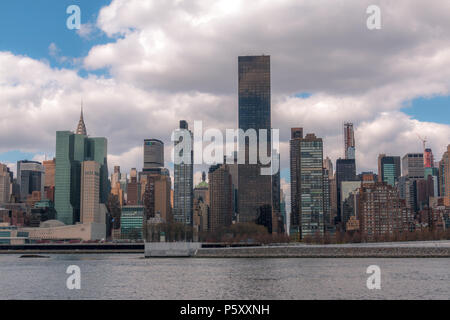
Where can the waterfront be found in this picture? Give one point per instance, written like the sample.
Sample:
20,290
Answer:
129,276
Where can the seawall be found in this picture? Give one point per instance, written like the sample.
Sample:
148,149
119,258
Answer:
325,252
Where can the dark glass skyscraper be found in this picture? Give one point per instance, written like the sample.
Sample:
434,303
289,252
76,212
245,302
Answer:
30,176
345,171
255,190
388,169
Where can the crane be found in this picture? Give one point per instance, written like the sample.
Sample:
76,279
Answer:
424,141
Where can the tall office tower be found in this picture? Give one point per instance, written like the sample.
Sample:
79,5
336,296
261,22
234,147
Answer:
90,192
333,201
116,176
255,189
328,166
307,215
30,176
277,223
327,200
153,153
49,180
431,174
412,170
233,168
157,182
184,185
424,190
133,189
283,210
220,197
412,166
388,169
72,149
294,159
345,171
381,212
5,184
446,175
349,141
428,159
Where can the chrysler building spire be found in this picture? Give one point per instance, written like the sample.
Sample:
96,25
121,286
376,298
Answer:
81,129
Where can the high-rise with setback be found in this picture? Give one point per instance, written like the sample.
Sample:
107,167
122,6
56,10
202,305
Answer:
72,149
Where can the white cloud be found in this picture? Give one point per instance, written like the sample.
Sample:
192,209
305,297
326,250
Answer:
87,30
173,60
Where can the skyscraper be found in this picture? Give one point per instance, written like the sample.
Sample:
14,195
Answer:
388,169
90,192
49,181
349,139
255,189
133,189
116,176
446,176
307,177
220,197
345,171
412,171
328,166
294,157
428,158
413,166
153,153
30,176
159,189
5,184
72,149
81,127
184,185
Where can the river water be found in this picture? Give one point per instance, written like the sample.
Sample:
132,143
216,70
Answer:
129,276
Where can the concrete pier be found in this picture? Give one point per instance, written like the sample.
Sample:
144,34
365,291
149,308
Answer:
171,249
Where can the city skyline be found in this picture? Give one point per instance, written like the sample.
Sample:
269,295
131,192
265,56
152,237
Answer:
75,64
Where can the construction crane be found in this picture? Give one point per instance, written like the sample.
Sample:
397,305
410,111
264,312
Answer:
424,141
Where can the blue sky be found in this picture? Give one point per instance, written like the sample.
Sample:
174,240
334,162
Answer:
435,109
38,24
29,27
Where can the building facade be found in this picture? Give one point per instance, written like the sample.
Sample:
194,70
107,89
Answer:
132,222
220,197
345,171
349,141
255,189
389,169
5,184
153,153
184,184
307,178
381,211
30,176
90,192
72,149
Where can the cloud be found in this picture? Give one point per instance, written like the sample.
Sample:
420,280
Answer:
87,31
172,60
